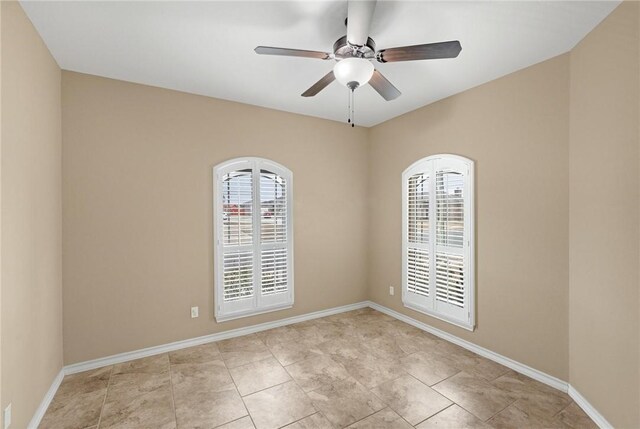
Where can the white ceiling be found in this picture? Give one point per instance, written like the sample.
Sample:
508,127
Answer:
207,47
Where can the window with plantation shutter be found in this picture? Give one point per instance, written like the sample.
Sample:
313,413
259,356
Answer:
437,253
253,238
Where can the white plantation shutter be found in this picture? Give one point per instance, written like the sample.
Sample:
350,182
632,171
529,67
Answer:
437,238
253,238
417,260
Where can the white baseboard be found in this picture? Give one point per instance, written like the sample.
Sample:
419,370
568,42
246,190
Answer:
589,409
48,397
150,351
503,360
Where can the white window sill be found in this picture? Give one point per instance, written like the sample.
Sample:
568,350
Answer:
444,318
225,318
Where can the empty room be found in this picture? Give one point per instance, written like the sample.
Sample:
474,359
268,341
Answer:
319,214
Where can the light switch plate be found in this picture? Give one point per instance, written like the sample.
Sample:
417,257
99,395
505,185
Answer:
194,312
392,290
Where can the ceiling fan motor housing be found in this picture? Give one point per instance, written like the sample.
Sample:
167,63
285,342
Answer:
343,49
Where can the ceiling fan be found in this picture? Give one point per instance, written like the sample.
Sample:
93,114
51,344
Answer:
354,52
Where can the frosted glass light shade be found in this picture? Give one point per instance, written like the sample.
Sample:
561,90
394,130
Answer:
353,70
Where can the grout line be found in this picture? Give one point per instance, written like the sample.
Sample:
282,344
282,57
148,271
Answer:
104,400
444,379
498,412
564,408
233,421
266,388
433,415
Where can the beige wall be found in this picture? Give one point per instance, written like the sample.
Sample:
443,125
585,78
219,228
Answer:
604,217
516,130
31,216
137,203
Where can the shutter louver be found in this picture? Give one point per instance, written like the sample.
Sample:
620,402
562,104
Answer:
274,271
450,208
418,234
450,279
238,275
273,207
237,215
418,271
418,209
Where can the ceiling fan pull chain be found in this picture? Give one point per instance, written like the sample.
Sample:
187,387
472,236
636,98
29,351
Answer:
353,108
349,109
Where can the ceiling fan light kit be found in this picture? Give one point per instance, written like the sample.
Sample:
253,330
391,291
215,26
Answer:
353,72
355,51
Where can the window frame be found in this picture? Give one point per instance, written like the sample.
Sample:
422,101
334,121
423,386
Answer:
429,166
225,312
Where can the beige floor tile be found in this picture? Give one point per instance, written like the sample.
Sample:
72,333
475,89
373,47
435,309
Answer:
279,335
396,327
474,364
386,346
314,421
278,406
208,408
243,350
573,417
84,382
335,360
242,423
151,364
513,417
78,401
294,351
369,330
429,368
205,395
421,342
345,402
316,372
260,375
139,400
197,354
201,376
453,417
413,400
371,370
533,397
385,419
327,330
74,411
131,384
309,333
475,395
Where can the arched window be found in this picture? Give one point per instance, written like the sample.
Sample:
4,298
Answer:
253,237
438,238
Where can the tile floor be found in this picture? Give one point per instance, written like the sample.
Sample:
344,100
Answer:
360,369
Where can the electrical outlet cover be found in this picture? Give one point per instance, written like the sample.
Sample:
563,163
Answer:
194,312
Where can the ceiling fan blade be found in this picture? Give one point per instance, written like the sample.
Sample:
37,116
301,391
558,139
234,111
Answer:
429,51
359,16
269,50
383,86
319,85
